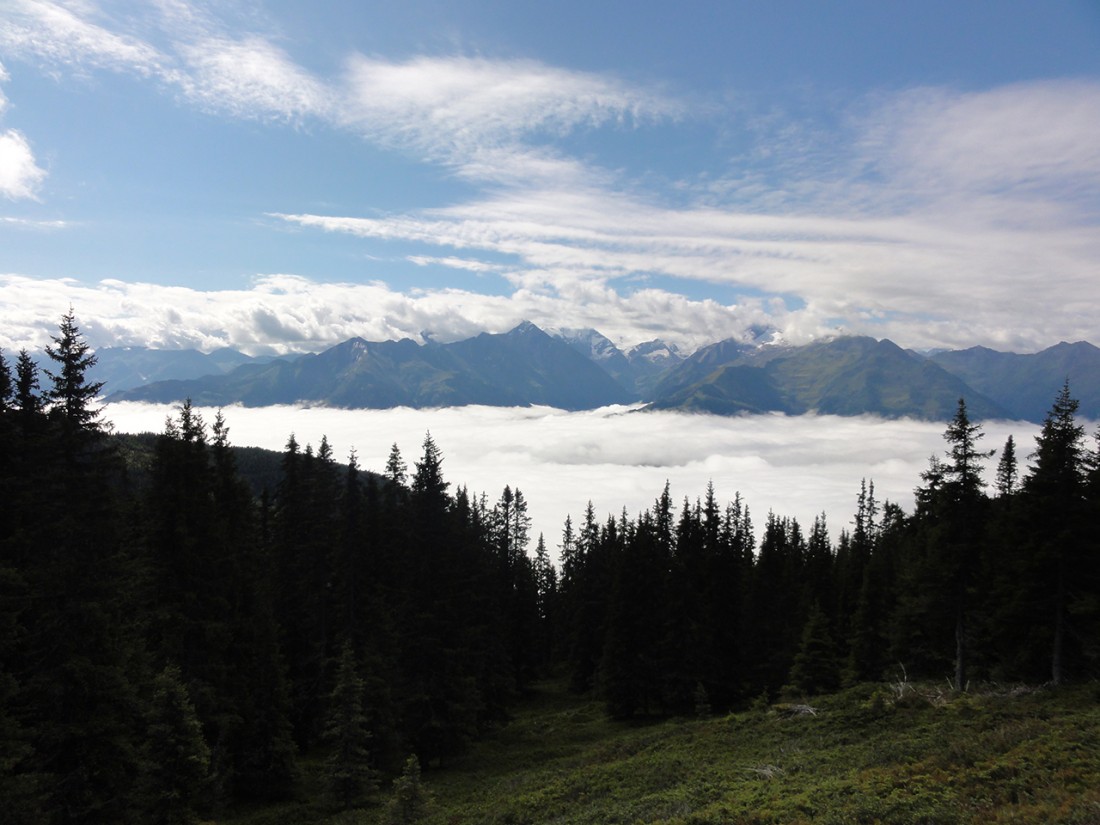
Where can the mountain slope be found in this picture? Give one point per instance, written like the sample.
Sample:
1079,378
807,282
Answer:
537,368
582,369
122,368
522,367
602,352
637,370
845,376
1026,385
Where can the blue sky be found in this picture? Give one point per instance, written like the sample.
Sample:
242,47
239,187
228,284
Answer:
280,176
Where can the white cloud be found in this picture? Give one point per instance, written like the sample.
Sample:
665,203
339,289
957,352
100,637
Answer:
19,173
286,313
29,223
1023,138
883,276
975,204
795,466
454,263
475,113
251,78
63,35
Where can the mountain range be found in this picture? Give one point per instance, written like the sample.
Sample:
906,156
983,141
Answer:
582,369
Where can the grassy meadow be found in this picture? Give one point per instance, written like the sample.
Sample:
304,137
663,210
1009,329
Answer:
891,753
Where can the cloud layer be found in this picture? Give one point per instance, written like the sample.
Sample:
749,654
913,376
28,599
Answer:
284,313
794,466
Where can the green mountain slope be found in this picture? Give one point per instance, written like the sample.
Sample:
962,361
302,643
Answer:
1025,384
845,376
897,753
521,367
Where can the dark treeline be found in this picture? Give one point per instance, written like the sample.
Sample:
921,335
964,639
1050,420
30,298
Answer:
683,612
173,643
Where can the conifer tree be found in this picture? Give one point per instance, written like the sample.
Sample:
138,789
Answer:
349,776
75,672
396,468
411,801
1006,469
1055,487
176,758
965,512
72,394
27,399
7,384
546,585
816,668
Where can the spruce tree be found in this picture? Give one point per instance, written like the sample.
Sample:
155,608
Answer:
72,394
816,668
411,801
965,511
349,776
1055,491
1006,469
7,384
27,399
76,671
176,759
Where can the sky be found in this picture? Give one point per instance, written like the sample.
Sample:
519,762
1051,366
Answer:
280,176
795,466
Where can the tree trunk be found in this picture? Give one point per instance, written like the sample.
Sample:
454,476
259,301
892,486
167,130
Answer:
960,653
1056,674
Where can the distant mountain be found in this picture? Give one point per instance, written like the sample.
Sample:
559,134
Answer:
651,361
522,367
636,371
1025,385
583,369
695,369
845,376
122,368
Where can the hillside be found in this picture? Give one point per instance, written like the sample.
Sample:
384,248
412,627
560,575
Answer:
580,369
518,368
1024,384
845,376
897,753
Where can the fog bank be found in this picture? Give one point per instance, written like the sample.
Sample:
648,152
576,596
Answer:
616,456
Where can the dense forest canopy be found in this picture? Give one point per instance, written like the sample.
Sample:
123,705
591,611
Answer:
173,643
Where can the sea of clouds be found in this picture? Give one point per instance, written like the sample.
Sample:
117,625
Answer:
619,457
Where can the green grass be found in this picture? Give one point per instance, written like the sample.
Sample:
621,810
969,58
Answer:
870,754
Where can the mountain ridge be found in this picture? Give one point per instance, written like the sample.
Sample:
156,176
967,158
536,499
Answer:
521,367
578,369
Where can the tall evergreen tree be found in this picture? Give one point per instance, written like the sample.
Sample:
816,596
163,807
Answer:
816,667
176,757
27,399
75,668
72,395
349,776
546,585
1006,469
1055,488
965,511
7,384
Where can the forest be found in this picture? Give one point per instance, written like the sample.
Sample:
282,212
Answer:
174,643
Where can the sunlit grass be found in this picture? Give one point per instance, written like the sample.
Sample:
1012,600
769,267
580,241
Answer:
870,754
